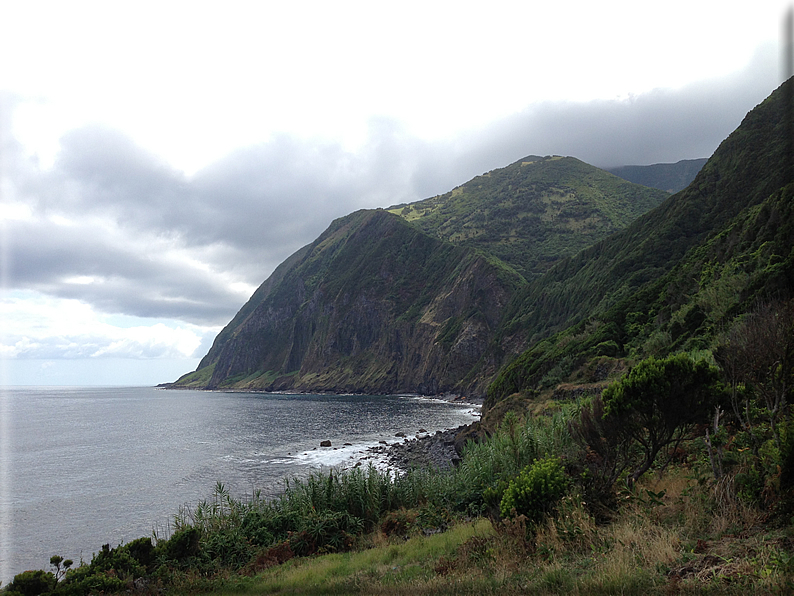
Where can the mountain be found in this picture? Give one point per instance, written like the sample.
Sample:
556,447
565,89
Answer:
373,305
533,212
409,299
676,276
670,177
485,287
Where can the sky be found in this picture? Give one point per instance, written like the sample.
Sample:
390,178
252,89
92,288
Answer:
159,159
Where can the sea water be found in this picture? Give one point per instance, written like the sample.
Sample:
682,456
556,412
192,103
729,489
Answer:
83,467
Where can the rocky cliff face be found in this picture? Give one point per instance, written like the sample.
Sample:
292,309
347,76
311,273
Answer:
411,299
373,305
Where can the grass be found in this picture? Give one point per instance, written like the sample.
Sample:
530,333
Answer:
389,565
678,545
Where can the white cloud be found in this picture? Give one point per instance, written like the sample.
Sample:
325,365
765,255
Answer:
40,327
193,82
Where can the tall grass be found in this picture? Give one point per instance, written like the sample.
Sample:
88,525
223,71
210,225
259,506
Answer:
327,510
514,446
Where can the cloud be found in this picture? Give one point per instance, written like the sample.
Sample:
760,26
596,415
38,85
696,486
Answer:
143,239
117,228
661,126
39,327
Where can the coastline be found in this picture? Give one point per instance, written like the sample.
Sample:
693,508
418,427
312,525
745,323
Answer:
424,448
435,451
438,450
406,449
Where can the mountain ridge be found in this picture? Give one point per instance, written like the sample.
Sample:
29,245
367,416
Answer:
289,335
439,295
534,211
670,177
626,282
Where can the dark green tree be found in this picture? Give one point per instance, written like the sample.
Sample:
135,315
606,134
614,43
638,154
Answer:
659,402
757,358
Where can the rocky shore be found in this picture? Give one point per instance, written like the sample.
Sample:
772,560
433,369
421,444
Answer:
435,450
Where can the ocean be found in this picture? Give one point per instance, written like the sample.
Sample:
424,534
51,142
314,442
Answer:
85,466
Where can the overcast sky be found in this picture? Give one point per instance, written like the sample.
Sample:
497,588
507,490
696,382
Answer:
159,159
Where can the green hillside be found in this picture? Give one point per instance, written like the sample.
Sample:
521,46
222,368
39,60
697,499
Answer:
410,299
373,305
674,277
533,212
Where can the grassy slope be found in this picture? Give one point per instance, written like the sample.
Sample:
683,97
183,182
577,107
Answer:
677,533
677,547
533,212
751,259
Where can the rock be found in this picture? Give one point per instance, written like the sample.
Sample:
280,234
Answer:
400,434
325,443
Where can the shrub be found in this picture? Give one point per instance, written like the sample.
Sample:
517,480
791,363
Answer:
660,401
32,583
183,544
398,523
535,491
87,579
606,451
259,527
326,532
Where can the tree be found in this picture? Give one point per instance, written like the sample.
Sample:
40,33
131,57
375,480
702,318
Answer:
659,402
758,355
607,448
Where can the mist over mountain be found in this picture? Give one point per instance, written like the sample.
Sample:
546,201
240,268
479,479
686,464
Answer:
671,177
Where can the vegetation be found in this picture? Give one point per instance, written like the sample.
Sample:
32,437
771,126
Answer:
526,509
533,212
658,403
535,492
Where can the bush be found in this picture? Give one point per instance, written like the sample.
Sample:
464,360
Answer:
659,403
32,583
87,579
326,532
398,523
606,451
182,545
535,491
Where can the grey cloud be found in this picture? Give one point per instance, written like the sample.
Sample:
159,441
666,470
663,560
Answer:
93,346
44,257
244,214
656,127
